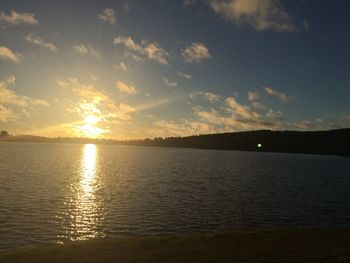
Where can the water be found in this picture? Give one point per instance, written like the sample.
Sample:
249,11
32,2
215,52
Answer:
53,193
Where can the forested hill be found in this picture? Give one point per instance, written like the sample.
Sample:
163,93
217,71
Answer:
316,142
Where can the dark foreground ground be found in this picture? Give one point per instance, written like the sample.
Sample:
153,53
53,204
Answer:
277,245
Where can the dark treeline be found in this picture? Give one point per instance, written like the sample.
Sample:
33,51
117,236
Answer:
336,142
316,142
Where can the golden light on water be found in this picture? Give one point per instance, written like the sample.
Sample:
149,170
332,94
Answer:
87,211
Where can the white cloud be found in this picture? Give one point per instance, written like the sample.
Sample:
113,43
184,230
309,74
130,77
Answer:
10,97
151,50
207,95
180,128
275,115
279,95
7,115
122,66
240,110
15,18
88,50
254,99
35,40
6,53
196,52
259,14
125,87
87,92
169,83
134,57
183,75
108,16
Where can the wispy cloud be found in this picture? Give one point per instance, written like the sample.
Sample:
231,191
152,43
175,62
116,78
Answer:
279,95
108,16
38,41
169,83
258,14
15,18
196,52
88,50
7,115
209,96
254,99
11,98
87,92
183,75
122,66
125,87
151,50
6,53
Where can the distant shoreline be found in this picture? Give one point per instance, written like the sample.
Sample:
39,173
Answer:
293,244
332,142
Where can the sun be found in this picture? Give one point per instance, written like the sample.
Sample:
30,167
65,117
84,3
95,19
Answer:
89,127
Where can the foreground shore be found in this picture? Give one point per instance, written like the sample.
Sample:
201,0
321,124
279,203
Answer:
244,245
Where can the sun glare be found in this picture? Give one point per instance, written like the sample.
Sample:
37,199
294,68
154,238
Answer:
89,127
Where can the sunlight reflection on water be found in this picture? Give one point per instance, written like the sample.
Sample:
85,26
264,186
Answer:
85,209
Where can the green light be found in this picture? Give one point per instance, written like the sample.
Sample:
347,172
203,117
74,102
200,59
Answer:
259,145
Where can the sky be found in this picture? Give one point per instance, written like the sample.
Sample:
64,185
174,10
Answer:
132,69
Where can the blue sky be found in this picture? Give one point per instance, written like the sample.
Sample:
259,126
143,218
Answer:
135,69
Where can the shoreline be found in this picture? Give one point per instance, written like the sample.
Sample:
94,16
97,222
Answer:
293,244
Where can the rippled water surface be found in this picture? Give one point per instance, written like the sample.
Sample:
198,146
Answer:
52,193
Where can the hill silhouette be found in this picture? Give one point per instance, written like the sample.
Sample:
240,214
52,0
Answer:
335,142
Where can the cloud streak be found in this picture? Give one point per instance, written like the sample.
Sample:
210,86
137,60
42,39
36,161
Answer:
153,51
279,95
8,54
16,18
36,40
125,87
260,15
169,83
88,50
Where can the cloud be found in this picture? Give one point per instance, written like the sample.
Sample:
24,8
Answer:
122,66
134,57
96,110
207,95
87,92
151,50
7,115
15,18
279,95
108,16
254,98
125,87
35,40
6,53
275,115
179,128
88,50
258,14
10,97
169,83
196,52
183,75
240,110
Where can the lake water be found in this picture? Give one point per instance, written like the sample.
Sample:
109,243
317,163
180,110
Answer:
53,193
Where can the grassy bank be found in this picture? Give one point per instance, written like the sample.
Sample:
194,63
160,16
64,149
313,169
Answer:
250,245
